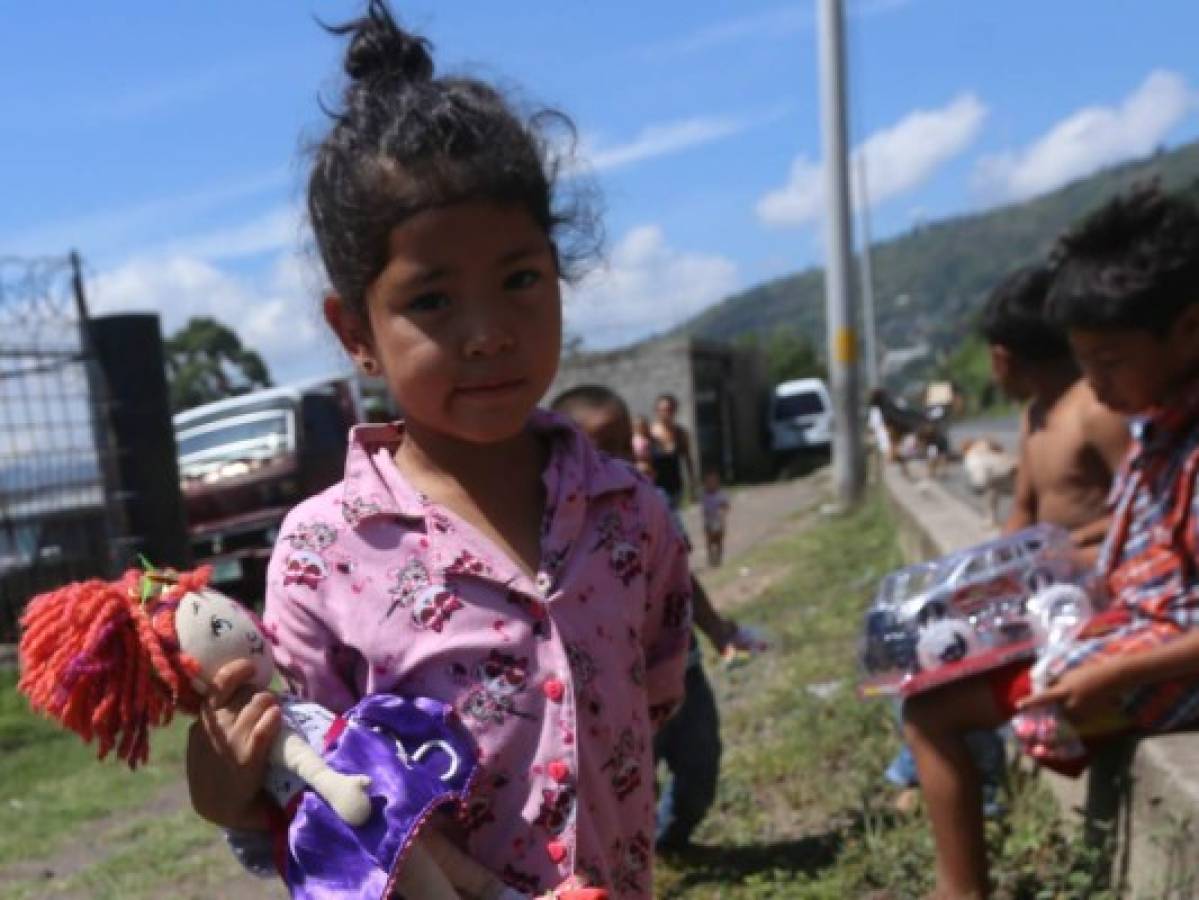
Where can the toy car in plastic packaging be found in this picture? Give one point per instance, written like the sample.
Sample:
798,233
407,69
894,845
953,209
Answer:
971,611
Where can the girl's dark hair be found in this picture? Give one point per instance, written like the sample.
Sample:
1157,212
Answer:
1132,264
1015,317
404,141
588,397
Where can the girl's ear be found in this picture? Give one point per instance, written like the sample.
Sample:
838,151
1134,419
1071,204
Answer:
353,333
1187,324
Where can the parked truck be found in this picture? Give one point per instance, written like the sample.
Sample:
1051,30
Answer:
245,461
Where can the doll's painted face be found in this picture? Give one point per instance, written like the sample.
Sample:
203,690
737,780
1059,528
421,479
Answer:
214,629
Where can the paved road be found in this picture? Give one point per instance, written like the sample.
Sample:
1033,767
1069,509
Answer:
755,514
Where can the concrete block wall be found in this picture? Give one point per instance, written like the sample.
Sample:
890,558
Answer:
1142,795
639,374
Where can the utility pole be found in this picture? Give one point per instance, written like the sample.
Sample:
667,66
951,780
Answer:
866,273
842,337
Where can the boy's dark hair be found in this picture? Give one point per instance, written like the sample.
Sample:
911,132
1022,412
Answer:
405,141
588,397
1015,317
1132,264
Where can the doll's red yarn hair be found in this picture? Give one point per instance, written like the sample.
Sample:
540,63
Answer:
105,663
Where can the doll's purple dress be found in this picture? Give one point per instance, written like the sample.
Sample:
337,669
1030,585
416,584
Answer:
419,759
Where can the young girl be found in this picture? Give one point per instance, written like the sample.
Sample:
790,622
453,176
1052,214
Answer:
479,552
715,503
643,447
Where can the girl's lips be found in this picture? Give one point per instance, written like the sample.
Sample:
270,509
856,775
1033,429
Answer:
490,388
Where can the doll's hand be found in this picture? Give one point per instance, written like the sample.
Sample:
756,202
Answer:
228,748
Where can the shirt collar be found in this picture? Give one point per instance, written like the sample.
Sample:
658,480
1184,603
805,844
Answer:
373,486
1161,427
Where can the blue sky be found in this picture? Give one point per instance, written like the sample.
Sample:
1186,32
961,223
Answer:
162,140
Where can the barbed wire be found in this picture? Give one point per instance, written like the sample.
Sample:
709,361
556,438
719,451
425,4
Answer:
37,304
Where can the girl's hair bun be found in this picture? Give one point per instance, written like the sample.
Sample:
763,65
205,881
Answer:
379,48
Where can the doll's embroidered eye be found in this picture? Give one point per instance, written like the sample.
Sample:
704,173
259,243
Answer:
220,626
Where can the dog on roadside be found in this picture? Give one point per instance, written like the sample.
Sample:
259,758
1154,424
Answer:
990,471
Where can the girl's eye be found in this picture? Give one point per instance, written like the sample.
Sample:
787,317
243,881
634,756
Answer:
220,626
519,281
431,302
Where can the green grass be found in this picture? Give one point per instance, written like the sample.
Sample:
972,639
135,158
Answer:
801,812
51,786
802,809
173,855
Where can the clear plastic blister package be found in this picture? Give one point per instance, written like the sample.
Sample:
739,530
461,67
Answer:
973,611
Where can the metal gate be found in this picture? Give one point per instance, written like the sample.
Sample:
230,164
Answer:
57,518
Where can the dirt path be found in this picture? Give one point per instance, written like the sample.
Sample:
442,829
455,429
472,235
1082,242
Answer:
758,514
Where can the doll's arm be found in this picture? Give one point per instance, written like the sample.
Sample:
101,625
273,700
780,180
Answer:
345,793
478,882
424,874
465,872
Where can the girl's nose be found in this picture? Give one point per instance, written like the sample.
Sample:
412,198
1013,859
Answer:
486,334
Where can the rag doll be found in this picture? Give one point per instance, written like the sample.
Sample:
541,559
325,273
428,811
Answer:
110,660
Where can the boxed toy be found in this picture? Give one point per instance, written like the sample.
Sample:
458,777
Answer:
972,611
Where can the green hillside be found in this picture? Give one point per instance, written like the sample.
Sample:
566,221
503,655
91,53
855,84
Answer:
930,282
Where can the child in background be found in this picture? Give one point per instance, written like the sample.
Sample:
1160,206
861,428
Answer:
1124,290
689,743
479,552
715,504
1070,443
643,447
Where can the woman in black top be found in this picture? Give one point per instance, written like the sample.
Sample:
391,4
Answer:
671,450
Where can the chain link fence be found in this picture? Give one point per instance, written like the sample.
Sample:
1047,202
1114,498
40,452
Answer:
57,518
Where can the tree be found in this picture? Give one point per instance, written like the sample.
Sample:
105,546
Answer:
791,355
572,344
206,361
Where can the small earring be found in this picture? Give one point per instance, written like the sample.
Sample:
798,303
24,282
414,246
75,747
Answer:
369,366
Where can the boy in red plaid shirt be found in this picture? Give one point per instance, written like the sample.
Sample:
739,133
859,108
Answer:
1126,289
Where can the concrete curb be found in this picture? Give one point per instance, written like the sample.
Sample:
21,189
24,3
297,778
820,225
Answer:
1145,794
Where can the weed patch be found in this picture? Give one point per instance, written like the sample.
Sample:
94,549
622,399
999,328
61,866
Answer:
802,809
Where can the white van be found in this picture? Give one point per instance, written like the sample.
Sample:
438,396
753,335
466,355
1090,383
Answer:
801,417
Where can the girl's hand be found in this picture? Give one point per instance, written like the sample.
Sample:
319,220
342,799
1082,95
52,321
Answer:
747,640
228,749
1081,692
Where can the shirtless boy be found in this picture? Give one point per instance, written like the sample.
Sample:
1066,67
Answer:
1070,443
1070,447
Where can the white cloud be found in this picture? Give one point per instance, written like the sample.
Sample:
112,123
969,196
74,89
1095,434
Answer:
897,160
112,232
276,313
1091,138
276,229
666,138
151,96
771,24
646,287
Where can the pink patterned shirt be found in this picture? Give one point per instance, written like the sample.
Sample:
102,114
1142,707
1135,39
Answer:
560,678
